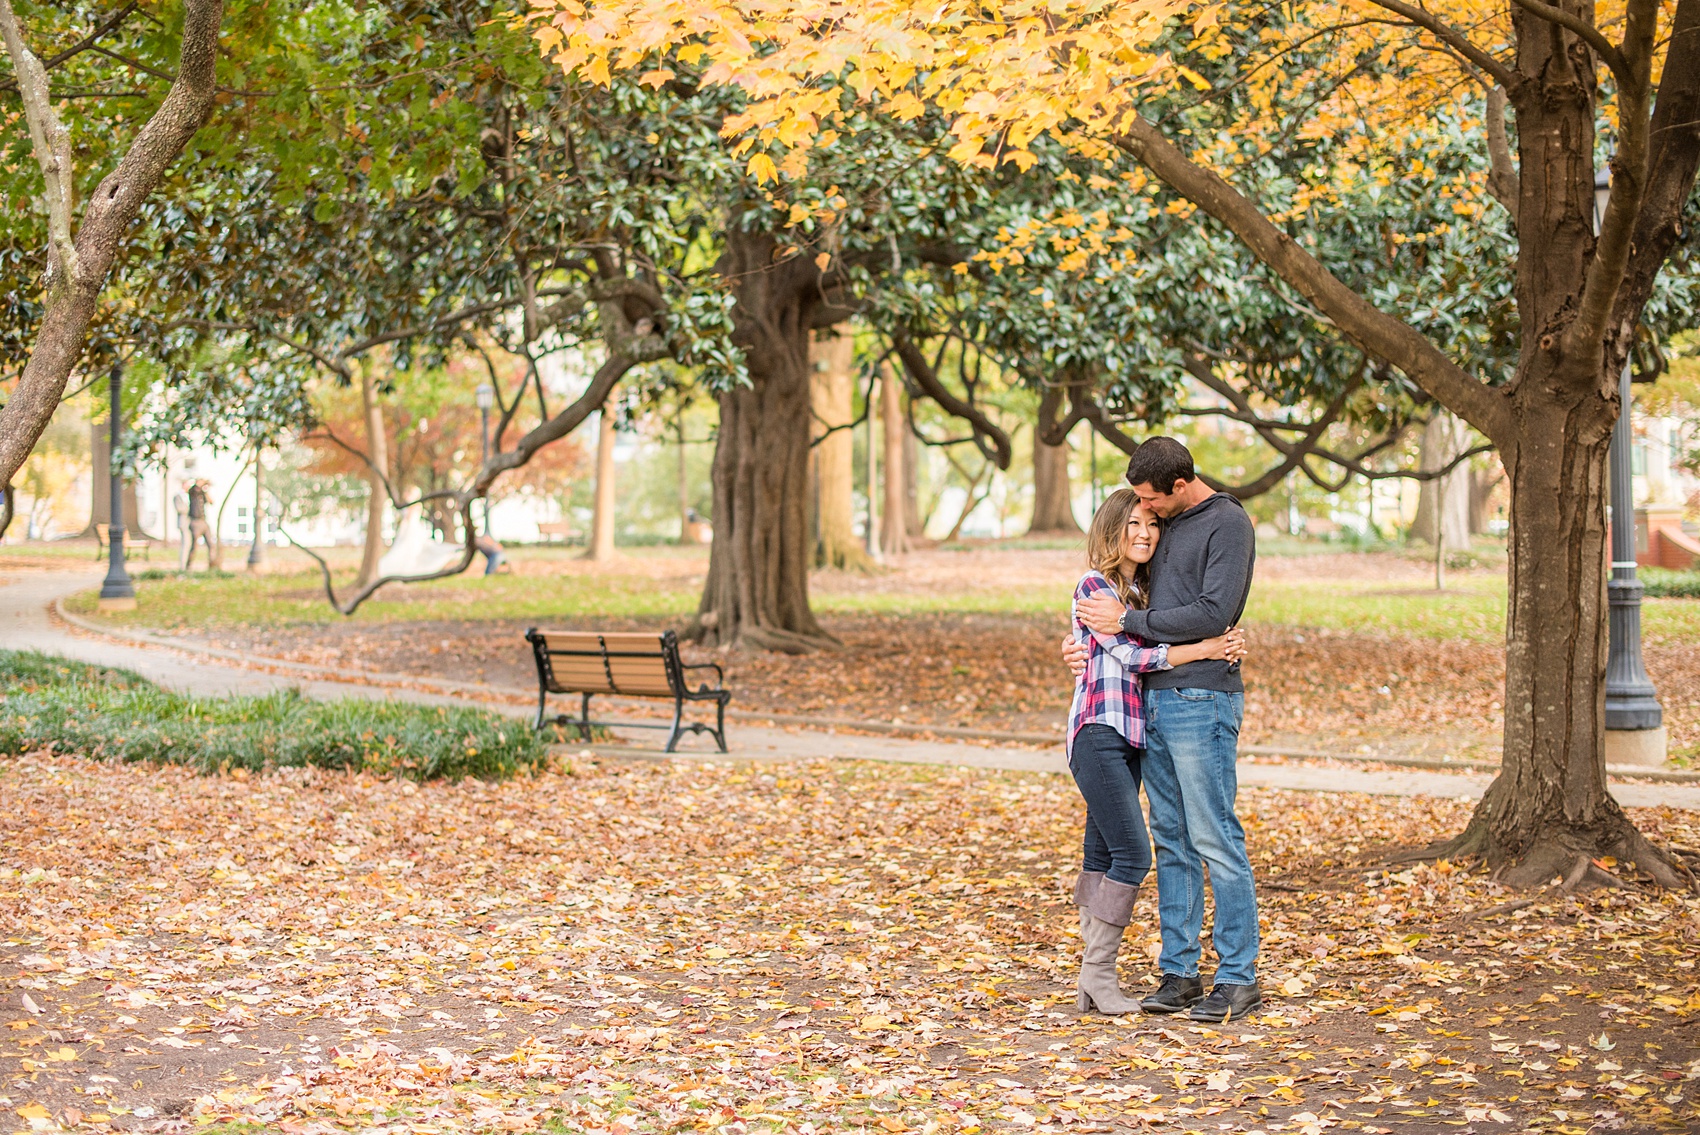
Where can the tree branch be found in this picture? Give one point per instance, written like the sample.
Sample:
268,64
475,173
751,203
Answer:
1672,158
81,45
78,266
1376,332
1610,263
1502,170
915,363
51,143
1585,29
1453,38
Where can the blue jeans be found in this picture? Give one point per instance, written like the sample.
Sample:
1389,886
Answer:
1191,739
1106,768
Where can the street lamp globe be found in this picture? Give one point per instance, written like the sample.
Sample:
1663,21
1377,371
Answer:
486,395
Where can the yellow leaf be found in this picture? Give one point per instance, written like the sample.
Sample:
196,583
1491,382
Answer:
34,1111
823,259
721,951
761,168
655,78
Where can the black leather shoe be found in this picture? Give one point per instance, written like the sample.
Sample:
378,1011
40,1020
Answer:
1228,1002
1174,995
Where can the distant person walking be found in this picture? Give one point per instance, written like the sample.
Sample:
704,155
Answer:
199,530
180,504
1106,732
1200,579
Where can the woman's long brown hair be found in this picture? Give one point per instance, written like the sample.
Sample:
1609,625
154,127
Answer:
1106,544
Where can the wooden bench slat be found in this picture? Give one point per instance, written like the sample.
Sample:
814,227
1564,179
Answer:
639,675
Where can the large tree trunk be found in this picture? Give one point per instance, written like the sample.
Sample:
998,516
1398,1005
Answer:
602,519
100,509
1548,813
377,467
1053,508
830,355
1443,504
757,592
894,533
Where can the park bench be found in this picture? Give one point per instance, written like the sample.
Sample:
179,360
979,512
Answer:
102,535
629,665
549,529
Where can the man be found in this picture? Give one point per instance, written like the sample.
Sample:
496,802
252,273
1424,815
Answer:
1200,578
180,504
199,530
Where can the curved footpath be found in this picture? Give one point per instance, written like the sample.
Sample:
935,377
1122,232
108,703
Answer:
26,623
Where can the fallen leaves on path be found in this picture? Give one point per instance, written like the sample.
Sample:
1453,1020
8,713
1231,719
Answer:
741,947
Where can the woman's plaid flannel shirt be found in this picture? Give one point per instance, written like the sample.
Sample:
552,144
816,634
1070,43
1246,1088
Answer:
1108,692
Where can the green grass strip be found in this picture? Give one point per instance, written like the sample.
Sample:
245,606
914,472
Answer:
68,707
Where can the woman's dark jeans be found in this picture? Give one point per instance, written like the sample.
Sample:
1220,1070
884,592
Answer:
1106,768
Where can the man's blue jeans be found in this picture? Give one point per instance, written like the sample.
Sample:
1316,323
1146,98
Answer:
1191,744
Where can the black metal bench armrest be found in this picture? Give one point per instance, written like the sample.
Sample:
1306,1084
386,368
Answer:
719,674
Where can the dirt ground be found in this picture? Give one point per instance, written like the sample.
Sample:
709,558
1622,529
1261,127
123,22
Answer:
629,947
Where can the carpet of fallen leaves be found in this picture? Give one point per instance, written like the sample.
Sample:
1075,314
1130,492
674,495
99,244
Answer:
742,947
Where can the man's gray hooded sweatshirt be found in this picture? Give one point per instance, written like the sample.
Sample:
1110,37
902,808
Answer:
1200,578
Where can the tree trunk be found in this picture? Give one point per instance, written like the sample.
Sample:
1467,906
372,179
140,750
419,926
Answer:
377,494
1483,482
1053,510
602,520
688,533
913,522
894,533
1548,813
757,592
836,546
1446,500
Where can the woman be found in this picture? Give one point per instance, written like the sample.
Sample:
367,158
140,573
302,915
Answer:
1106,729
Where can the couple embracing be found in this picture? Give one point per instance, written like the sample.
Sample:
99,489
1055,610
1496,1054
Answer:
1158,699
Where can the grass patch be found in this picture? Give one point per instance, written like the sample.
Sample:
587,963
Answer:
50,703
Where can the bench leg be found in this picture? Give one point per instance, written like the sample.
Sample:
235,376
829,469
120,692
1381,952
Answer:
678,716
584,720
720,723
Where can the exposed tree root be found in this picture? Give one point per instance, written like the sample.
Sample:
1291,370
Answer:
1564,860
706,630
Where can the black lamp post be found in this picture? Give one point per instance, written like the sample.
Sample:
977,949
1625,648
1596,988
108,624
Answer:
486,395
116,591
257,552
1632,705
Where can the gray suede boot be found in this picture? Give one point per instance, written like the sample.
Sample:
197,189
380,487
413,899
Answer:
1103,918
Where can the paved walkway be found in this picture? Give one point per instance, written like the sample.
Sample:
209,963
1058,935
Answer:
25,597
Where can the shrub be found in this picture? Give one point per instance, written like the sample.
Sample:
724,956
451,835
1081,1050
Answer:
51,703
1662,583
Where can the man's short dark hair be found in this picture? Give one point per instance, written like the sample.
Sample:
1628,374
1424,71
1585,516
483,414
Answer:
1160,462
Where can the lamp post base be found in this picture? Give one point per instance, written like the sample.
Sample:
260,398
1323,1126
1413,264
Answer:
1646,748
118,603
